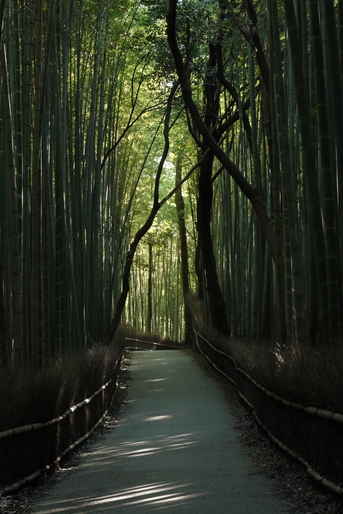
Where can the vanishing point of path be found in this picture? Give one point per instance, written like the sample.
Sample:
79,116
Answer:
175,449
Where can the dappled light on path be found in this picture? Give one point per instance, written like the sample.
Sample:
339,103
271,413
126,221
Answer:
153,494
150,447
174,449
157,496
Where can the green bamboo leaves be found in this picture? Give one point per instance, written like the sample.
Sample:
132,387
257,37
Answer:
259,110
293,128
73,90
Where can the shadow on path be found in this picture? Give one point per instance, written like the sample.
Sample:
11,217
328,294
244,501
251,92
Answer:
174,449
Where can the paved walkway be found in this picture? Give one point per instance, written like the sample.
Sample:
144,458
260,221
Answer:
175,449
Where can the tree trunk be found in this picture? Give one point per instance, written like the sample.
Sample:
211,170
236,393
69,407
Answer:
310,168
3,346
149,313
216,301
180,209
35,195
16,291
251,192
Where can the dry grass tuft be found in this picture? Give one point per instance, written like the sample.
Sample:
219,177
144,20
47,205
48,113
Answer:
36,396
303,374
311,376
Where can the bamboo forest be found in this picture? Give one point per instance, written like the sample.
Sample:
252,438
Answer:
158,151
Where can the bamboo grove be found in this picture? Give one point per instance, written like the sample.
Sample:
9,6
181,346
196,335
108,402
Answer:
72,89
254,125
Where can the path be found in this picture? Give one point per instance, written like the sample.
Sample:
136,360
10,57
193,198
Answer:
175,449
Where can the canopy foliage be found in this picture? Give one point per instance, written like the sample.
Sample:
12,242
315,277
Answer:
101,100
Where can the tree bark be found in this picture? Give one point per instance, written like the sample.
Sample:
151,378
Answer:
149,313
180,209
217,304
16,291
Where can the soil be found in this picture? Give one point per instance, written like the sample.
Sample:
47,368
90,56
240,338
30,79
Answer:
289,479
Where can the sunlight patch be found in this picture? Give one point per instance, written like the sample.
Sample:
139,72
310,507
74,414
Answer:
158,418
158,493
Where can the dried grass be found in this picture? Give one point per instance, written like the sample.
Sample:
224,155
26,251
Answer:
307,375
29,397
311,376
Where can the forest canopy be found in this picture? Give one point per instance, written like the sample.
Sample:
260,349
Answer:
152,150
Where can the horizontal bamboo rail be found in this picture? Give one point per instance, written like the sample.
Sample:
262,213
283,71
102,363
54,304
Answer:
36,426
335,416
21,483
321,413
152,343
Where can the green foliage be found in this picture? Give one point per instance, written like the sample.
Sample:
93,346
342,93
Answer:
88,84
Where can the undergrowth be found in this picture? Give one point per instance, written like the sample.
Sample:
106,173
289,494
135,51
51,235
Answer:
35,396
308,375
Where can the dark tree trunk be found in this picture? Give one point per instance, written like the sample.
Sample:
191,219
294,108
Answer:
215,296
149,314
216,300
3,346
210,138
180,208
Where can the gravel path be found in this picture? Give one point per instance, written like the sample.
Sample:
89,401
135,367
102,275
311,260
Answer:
175,449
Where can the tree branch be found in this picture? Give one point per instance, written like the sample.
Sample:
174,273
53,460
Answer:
251,192
144,229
